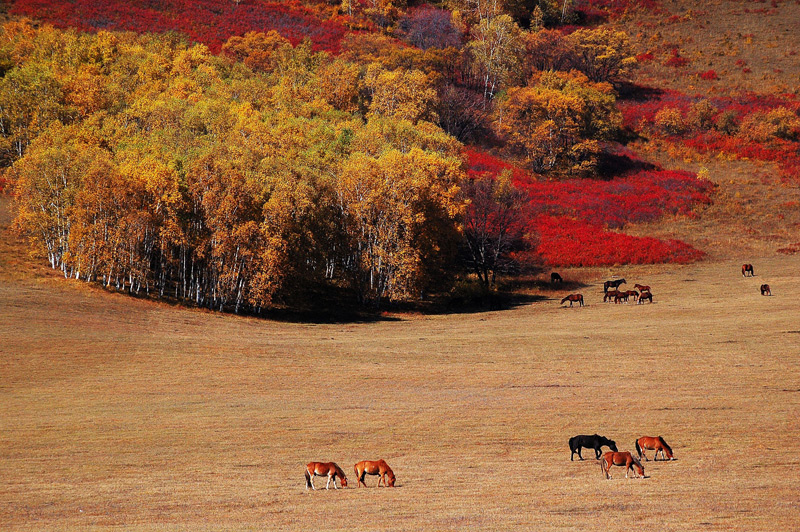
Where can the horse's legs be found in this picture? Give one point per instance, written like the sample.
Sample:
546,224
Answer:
311,478
329,482
334,482
579,453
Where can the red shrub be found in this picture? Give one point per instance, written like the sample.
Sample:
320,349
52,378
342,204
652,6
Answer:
709,74
586,207
210,22
568,242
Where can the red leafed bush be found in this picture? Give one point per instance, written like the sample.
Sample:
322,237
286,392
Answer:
709,74
563,241
645,57
583,209
210,22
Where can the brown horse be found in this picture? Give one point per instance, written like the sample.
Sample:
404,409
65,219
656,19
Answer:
379,467
324,469
622,296
657,444
765,291
621,459
747,268
633,293
556,278
611,294
572,298
642,287
645,295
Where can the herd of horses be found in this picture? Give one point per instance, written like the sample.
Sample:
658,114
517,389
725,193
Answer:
640,293
624,458
363,468
611,292
632,463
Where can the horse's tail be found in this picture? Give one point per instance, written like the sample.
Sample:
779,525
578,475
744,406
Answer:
638,449
308,479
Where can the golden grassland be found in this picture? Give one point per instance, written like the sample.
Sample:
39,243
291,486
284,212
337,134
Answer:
129,414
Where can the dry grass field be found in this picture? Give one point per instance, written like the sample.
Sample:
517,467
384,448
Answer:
127,414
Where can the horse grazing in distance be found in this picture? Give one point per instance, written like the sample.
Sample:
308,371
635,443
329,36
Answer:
625,459
657,444
620,296
641,287
632,293
572,298
376,467
747,268
765,291
613,284
324,469
611,294
555,278
590,442
643,296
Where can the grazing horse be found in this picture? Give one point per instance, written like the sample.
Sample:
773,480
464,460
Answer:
657,444
620,296
324,469
555,278
747,268
765,291
613,284
633,293
379,467
645,295
641,287
608,296
572,298
590,442
621,459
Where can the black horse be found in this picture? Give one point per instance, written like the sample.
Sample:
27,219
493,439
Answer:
555,278
590,442
613,284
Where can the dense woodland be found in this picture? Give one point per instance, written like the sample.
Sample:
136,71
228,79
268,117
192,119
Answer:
237,165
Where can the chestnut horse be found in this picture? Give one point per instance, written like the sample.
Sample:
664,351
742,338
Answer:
555,278
620,296
324,469
747,268
621,459
765,291
657,444
572,298
645,295
612,294
613,284
641,287
370,467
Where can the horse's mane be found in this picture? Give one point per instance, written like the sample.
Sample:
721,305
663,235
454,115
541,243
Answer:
339,470
665,444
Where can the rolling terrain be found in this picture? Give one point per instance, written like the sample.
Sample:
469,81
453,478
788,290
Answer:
130,414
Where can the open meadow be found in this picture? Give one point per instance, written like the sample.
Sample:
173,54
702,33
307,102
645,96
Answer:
129,414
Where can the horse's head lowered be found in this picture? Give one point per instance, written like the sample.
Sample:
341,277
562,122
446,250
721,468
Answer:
611,444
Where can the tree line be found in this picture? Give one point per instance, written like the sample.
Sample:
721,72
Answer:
232,181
